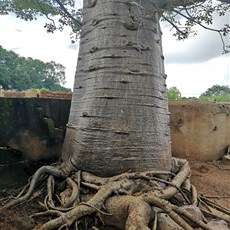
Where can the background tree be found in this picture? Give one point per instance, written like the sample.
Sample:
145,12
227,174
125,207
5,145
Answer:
216,93
119,122
173,93
216,90
21,73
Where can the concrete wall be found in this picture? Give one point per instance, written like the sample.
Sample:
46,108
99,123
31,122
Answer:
199,130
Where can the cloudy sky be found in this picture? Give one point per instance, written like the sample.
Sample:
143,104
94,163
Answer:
192,65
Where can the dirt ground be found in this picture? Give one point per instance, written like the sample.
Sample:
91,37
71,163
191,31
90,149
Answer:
211,179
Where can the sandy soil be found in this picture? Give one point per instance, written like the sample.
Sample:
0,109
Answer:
211,179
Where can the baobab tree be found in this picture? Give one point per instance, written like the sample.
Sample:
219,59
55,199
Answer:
116,157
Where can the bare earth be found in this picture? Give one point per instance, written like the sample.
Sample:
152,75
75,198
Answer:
211,179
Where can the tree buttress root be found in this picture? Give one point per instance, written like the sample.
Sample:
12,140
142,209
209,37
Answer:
149,200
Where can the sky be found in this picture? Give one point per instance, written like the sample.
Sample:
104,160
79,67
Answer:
193,65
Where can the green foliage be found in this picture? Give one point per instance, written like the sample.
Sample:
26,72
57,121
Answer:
218,93
189,98
28,9
21,73
196,13
225,98
217,90
173,93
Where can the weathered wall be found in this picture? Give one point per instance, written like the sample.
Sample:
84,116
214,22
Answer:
199,130
34,126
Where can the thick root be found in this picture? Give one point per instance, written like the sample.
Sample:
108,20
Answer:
145,201
165,222
38,176
128,212
93,205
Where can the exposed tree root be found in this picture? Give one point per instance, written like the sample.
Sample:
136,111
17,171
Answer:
38,176
130,201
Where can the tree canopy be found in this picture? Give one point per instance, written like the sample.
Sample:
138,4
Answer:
20,73
173,93
193,12
216,93
217,90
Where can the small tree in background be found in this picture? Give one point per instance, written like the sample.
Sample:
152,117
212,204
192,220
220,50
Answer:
20,73
173,93
216,93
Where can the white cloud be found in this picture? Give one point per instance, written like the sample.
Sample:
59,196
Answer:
196,64
194,79
205,46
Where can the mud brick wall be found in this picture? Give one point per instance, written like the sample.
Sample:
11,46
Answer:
199,130
36,127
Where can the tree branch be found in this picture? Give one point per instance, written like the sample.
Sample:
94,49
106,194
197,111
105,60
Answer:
175,3
189,17
173,25
43,11
68,13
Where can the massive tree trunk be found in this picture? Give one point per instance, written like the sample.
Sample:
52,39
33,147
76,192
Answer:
119,122
119,117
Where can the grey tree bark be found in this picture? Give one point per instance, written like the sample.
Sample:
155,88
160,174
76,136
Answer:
119,119
119,122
